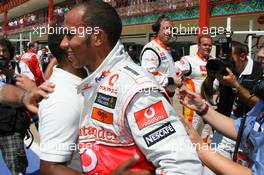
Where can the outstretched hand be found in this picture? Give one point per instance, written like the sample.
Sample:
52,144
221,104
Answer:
123,168
191,99
24,82
32,98
178,78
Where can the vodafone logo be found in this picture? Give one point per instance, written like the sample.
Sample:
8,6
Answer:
113,79
89,160
149,113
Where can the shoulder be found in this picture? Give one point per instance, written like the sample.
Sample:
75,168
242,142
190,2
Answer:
152,45
134,72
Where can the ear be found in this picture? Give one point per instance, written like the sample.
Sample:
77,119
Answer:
243,56
99,37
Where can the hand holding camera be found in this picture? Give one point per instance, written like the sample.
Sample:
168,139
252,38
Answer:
228,80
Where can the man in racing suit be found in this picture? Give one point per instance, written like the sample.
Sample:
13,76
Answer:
156,56
125,110
31,59
194,68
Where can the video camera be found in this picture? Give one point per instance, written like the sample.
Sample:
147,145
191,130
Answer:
223,60
4,64
258,89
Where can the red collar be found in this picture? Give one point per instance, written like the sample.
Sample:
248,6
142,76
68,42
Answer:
157,39
29,51
201,56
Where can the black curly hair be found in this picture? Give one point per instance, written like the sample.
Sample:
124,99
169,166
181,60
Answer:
6,43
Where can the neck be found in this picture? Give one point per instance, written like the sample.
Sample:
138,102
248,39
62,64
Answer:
202,56
100,56
243,66
161,43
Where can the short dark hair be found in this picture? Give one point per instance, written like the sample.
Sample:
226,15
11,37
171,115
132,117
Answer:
6,43
163,18
239,48
44,47
32,44
54,40
156,25
98,13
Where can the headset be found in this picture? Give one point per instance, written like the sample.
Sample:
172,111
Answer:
156,26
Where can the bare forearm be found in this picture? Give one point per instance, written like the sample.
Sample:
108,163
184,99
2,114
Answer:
245,96
221,165
50,168
11,95
221,123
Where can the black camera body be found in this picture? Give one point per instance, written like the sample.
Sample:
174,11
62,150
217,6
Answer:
258,89
223,60
4,64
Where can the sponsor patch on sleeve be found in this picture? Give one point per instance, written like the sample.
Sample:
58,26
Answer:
159,134
150,115
203,68
102,116
182,61
105,100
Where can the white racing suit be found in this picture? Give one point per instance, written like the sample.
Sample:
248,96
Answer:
156,59
194,68
126,113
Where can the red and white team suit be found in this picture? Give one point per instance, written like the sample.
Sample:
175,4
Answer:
31,59
194,68
156,59
126,112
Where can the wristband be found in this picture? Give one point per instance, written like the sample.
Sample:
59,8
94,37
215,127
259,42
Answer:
204,111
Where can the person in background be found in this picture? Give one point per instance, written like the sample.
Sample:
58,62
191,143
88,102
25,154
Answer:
194,69
44,58
261,56
11,134
31,59
239,101
156,56
252,137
